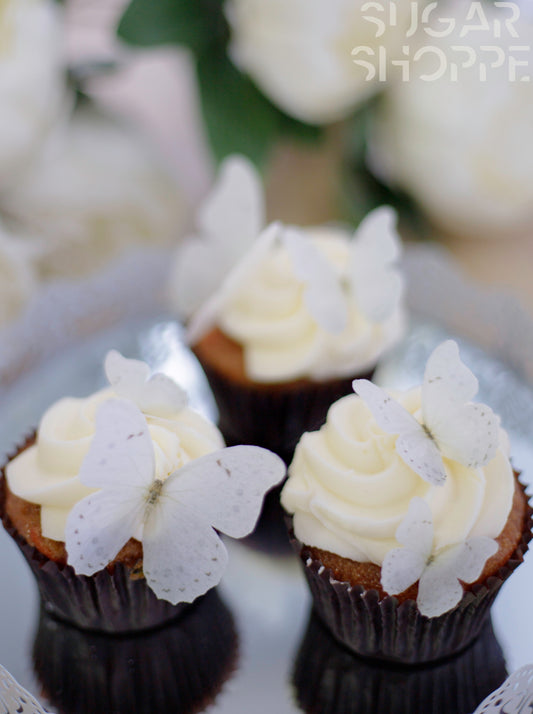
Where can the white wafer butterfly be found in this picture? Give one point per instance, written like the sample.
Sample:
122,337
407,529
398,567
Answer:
155,394
229,222
323,293
14,699
452,426
438,574
515,696
176,511
374,279
371,277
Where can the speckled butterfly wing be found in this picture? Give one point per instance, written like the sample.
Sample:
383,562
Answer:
183,555
14,699
121,463
439,589
403,566
413,444
515,696
227,486
466,432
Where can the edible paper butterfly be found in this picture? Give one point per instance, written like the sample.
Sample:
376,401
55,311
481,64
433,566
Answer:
157,394
515,696
439,589
14,699
229,222
174,512
375,282
452,426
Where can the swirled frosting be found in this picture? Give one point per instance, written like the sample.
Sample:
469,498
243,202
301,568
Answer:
47,473
282,341
349,490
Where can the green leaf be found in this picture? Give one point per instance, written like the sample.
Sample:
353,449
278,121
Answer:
192,23
238,118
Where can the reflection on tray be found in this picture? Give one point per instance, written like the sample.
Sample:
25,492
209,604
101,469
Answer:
329,679
179,667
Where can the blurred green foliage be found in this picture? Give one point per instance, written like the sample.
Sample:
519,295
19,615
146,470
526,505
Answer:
238,118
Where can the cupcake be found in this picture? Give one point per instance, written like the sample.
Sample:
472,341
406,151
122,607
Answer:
180,667
407,515
115,500
283,318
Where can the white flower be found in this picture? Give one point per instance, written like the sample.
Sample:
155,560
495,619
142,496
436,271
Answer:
463,149
32,84
94,190
300,51
17,279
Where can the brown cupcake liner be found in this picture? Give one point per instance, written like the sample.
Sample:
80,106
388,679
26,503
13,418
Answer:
109,601
386,630
180,667
328,678
274,416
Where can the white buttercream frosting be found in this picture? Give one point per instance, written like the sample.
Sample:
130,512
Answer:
47,473
349,489
282,340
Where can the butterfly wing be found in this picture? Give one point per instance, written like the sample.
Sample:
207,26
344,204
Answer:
514,696
323,295
447,380
472,556
402,567
99,525
226,488
413,444
229,221
375,281
183,557
439,589
130,379
233,215
123,373
465,432
206,316
120,462
121,451
14,698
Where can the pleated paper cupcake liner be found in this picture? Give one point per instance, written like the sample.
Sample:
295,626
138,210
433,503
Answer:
180,667
386,630
108,601
329,679
273,416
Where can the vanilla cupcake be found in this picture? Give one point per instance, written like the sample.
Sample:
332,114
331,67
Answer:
115,499
283,318
407,514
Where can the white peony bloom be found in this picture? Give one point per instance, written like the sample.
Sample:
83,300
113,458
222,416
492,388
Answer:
17,278
32,84
300,51
94,190
464,149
